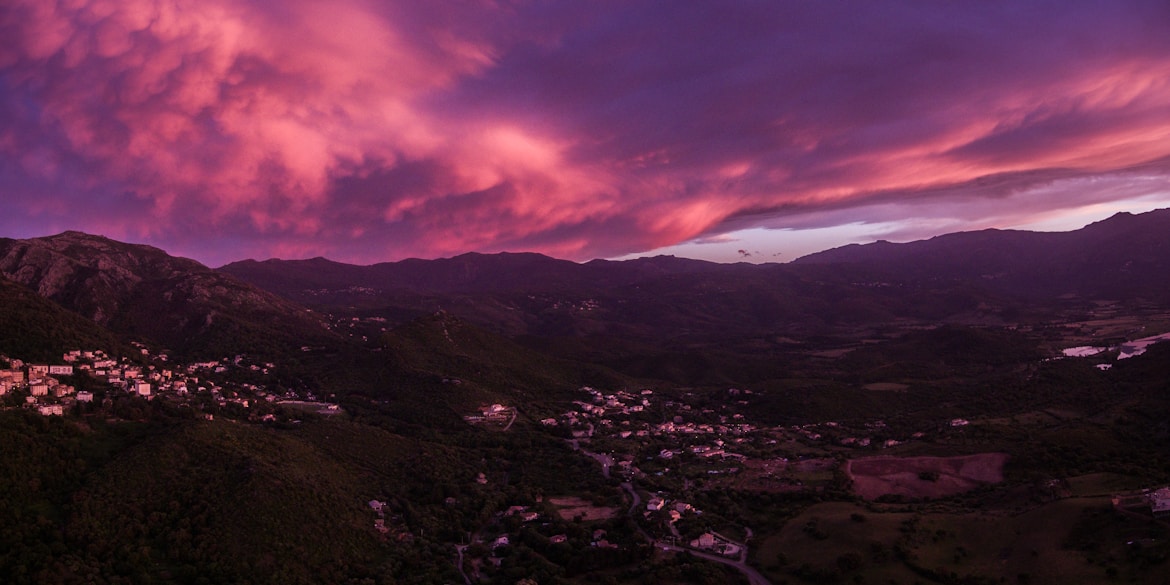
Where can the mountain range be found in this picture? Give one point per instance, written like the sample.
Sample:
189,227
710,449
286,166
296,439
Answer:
1123,255
611,312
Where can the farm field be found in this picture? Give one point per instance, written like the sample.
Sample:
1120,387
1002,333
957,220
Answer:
923,477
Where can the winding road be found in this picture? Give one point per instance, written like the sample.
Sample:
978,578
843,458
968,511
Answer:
754,577
459,563
740,563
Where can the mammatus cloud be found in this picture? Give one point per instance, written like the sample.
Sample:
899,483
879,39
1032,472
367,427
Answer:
368,131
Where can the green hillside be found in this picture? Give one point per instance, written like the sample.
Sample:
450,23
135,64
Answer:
33,328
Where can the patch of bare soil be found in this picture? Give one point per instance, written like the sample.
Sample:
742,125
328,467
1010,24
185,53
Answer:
924,477
571,507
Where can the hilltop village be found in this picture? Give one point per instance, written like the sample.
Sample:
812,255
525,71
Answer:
84,380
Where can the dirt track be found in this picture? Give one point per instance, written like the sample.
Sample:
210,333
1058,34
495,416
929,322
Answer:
878,476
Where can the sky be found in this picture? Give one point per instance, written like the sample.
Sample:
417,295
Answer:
368,131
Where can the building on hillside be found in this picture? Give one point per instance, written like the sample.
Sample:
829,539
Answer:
60,370
1160,502
39,389
142,388
1157,501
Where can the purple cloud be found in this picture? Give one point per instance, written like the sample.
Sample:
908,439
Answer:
368,132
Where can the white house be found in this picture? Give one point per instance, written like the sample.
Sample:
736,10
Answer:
60,370
1160,502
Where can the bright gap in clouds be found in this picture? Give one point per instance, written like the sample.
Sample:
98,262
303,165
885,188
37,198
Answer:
1073,219
760,245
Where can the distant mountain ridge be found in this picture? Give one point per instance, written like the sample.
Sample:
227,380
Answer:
141,291
1125,251
1125,255
980,277
469,272
969,277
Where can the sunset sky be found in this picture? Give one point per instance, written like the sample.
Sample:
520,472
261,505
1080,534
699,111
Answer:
377,130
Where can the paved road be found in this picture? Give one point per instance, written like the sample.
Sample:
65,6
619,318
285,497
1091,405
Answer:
754,576
606,461
740,563
634,497
459,563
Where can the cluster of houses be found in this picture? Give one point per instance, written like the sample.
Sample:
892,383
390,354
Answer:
527,516
674,511
49,390
45,391
615,411
494,413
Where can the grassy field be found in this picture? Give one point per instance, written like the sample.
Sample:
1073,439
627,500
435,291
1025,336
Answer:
836,538
1103,484
1074,540
1028,544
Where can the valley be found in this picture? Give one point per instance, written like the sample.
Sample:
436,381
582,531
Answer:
490,419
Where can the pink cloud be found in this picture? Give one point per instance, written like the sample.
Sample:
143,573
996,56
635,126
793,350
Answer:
378,130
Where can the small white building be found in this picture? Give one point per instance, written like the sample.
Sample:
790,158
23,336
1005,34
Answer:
60,370
1160,502
143,388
